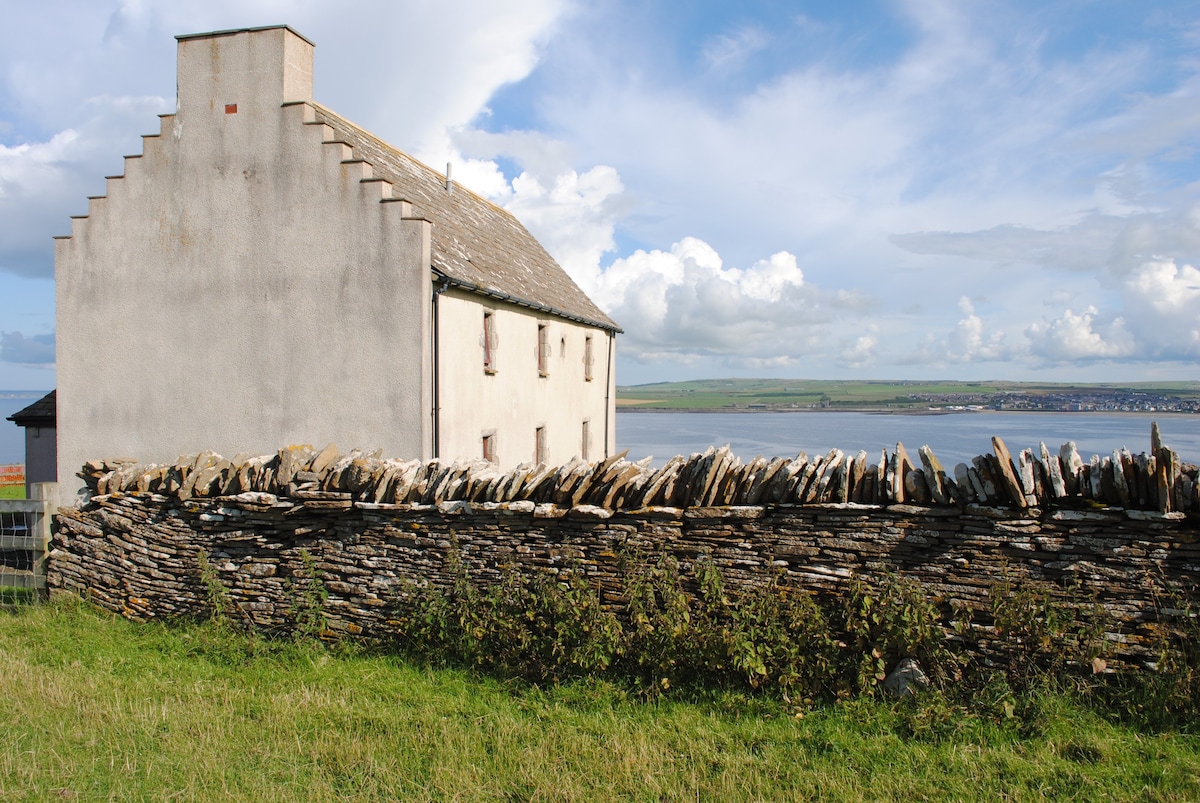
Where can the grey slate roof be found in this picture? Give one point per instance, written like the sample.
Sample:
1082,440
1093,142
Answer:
476,244
41,413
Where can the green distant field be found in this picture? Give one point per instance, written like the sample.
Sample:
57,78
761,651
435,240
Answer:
708,394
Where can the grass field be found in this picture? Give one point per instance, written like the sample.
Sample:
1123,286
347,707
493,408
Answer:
98,708
900,395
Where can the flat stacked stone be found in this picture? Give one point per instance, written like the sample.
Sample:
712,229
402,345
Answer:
713,478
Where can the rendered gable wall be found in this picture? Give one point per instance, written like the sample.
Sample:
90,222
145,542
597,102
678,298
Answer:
245,283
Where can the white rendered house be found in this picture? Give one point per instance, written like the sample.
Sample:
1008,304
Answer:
266,273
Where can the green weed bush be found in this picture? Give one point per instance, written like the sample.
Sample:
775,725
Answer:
1176,687
668,626
663,630
307,595
1168,696
1043,636
216,596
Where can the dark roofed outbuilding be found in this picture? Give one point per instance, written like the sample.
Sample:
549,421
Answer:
39,414
39,421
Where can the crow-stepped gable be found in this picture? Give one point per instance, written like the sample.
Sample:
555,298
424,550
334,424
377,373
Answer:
267,272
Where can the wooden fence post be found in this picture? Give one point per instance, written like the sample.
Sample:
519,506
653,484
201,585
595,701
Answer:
46,493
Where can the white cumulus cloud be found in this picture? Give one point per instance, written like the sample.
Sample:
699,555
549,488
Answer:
861,352
684,303
1083,336
969,341
1162,305
1154,315
574,216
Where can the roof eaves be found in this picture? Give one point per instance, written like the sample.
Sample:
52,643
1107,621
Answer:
41,412
451,281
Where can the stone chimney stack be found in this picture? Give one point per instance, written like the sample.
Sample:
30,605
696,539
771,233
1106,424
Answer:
243,71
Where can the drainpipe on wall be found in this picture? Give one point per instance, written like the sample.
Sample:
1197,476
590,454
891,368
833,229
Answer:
435,412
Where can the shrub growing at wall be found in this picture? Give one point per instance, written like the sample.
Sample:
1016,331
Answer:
1169,696
775,637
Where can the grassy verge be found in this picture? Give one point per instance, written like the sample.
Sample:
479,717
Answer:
96,707
12,481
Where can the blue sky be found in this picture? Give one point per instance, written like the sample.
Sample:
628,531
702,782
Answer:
908,189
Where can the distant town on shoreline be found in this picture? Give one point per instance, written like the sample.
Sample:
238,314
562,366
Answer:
907,396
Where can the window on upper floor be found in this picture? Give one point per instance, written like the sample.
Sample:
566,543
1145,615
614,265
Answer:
589,358
489,341
543,349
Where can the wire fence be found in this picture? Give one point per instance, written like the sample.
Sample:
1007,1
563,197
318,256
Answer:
24,544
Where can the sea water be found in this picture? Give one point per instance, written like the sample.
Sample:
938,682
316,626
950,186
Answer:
953,437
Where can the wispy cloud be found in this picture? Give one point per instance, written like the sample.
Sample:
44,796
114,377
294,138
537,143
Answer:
27,349
729,51
42,182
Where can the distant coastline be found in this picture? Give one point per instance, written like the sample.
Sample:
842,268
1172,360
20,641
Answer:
866,410
909,397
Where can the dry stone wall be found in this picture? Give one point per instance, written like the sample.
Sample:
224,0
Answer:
1119,531
717,478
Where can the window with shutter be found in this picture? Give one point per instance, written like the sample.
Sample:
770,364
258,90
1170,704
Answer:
540,446
543,350
489,342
